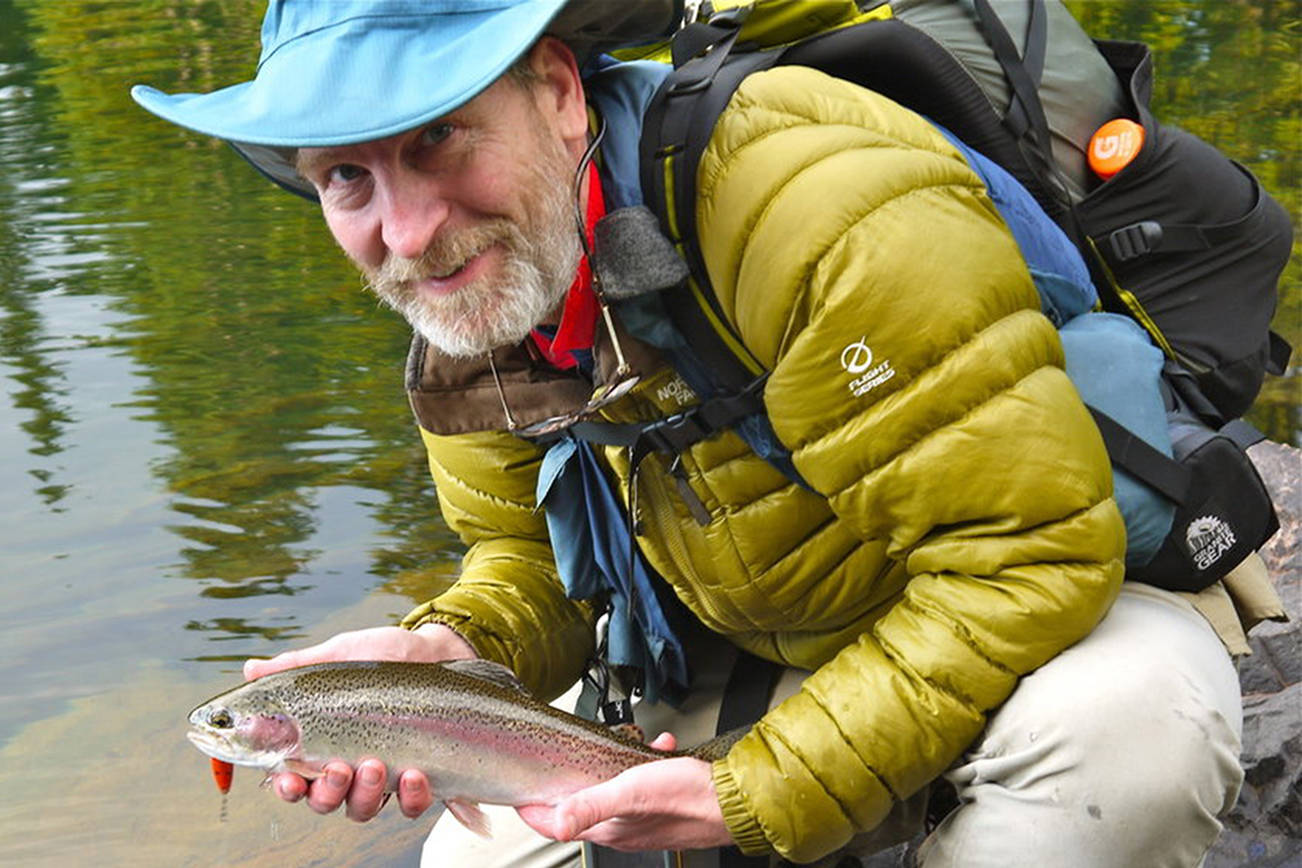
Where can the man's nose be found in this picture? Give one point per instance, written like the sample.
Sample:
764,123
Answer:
413,214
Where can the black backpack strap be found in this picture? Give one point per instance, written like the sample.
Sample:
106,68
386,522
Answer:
1155,469
1026,113
676,131
1242,432
1024,105
677,433
745,700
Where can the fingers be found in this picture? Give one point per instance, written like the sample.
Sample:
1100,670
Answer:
257,668
366,796
361,791
327,793
665,741
429,643
289,787
414,795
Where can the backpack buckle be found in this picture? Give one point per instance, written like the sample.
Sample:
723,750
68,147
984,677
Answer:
676,433
1136,240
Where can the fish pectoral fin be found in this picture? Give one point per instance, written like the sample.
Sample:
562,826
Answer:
630,731
486,670
470,816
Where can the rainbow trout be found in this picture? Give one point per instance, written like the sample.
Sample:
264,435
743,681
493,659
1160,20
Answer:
469,725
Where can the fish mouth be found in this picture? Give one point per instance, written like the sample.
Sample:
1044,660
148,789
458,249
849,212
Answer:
219,746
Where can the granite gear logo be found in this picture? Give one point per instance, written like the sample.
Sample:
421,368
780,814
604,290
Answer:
1208,538
857,361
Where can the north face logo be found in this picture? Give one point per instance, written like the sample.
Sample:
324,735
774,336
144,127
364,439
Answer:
677,391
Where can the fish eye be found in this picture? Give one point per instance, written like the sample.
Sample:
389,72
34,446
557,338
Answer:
221,718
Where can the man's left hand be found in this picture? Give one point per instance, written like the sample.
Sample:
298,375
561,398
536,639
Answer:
661,805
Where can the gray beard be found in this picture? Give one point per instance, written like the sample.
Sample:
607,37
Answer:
538,268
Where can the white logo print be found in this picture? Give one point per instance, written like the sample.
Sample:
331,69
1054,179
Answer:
857,361
857,358
1208,538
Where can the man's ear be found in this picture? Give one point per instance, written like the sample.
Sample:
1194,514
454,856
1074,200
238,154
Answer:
558,88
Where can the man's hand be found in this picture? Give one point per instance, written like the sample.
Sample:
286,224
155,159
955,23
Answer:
429,643
363,789
662,805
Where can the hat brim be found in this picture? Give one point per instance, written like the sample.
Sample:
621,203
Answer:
352,83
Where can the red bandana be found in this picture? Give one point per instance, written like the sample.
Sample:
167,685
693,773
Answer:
579,316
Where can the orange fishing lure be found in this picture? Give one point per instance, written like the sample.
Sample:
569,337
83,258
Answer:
222,772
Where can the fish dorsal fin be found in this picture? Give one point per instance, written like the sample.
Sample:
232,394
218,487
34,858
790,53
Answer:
485,670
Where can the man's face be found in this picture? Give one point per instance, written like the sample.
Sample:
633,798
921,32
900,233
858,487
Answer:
465,226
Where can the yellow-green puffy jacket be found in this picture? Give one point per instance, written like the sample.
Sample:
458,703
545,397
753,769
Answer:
963,532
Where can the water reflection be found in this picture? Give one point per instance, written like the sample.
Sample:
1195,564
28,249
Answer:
254,342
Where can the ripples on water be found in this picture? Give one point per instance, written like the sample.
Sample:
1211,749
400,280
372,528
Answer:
208,453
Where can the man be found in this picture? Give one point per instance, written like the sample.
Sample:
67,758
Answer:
949,581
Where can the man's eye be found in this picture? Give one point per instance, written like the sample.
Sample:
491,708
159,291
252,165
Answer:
345,172
436,133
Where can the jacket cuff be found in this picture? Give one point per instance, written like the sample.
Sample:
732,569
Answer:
484,644
744,828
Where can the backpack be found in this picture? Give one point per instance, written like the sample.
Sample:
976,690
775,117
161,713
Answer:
1181,240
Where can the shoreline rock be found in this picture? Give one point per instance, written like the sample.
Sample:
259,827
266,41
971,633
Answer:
1265,827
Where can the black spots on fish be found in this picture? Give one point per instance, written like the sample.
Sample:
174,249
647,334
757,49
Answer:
1094,811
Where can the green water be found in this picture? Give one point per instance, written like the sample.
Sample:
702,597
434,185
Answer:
207,449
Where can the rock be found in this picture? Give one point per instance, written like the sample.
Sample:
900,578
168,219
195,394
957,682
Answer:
1265,827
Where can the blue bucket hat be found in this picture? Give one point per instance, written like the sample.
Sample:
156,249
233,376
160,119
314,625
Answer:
347,71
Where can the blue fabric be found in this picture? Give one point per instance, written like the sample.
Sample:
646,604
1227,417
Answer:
621,92
350,71
1116,368
586,522
594,552
1110,358
1060,274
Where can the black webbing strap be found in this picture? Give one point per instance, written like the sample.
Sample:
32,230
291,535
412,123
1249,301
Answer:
1242,432
1033,57
677,433
745,700
1149,236
747,694
676,131
1026,92
1017,69
1150,466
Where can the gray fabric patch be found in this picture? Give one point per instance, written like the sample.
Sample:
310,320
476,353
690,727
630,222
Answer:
632,257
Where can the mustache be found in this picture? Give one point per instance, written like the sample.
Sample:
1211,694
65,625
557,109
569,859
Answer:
445,255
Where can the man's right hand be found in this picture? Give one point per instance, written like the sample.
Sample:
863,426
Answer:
363,789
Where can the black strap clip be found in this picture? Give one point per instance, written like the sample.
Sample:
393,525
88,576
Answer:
675,434
1136,240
